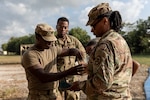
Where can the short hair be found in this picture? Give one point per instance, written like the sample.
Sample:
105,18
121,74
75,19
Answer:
62,19
93,42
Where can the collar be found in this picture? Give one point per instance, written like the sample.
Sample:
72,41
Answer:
67,39
107,33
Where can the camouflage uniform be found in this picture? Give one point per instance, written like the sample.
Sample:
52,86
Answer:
47,58
110,63
110,69
67,62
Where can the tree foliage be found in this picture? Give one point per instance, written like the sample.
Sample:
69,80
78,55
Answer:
135,35
4,46
14,43
81,34
138,38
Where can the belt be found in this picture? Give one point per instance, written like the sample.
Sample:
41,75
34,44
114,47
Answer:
46,92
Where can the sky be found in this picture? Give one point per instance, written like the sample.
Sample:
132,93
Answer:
20,17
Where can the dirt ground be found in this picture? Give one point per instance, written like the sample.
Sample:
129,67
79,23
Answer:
13,84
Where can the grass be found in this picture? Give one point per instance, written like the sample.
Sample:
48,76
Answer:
10,59
142,59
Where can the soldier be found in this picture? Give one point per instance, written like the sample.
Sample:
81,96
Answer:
110,63
40,61
67,41
90,46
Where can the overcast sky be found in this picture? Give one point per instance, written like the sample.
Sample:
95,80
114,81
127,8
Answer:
19,17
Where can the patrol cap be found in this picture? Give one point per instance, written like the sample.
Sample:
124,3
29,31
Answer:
97,11
46,32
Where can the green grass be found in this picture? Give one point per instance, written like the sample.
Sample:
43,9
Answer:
10,59
142,59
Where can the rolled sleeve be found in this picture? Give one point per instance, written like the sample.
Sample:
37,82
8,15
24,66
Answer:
29,59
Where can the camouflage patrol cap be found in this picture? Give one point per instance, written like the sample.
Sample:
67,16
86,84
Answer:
98,10
46,32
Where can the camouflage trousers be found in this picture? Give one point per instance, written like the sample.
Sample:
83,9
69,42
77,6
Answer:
44,95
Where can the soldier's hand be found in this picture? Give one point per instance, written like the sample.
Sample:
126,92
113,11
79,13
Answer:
77,70
85,65
80,56
76,52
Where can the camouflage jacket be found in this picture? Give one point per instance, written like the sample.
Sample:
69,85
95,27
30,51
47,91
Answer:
109,69
64,63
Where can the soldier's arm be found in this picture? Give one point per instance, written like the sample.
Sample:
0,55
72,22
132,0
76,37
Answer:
72,52
101,78
38,72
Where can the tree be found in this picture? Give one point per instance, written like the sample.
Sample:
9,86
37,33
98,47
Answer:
80,34
4,46
138,39
14,43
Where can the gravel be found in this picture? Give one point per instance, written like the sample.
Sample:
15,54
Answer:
13,84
